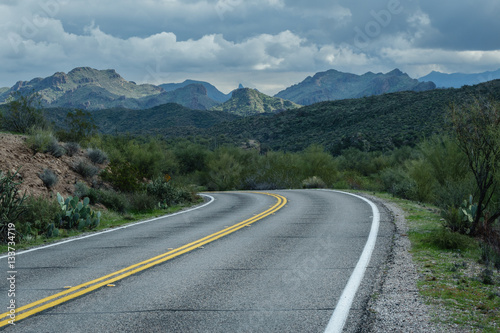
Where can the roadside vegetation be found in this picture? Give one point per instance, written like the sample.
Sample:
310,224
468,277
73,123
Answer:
459,275
130,182
448,183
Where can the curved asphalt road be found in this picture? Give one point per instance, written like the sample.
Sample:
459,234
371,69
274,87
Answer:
283,273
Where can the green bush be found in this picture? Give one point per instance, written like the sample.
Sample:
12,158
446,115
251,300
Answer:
97,156
123,176
40,213
48,177
163,191
142,202
12,204
318,163
85,169
224,171
397,182
55,149
113,200
72,148
423,181
39,139
449,240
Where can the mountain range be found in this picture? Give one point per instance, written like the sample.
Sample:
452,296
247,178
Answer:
375,123
92,89
457,80
334,85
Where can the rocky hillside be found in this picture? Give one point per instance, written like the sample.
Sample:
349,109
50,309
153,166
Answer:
212,92
246,102
15,155
334,85
92,89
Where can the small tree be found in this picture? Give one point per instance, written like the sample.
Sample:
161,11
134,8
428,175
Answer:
23,113
81,126
477,128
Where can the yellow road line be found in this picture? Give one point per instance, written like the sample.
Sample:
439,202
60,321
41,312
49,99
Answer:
84,288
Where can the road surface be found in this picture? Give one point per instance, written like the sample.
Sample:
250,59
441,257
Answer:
244,262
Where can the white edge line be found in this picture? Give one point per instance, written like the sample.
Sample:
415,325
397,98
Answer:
115,229
339,316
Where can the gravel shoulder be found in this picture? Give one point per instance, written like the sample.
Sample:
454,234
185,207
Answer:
397,305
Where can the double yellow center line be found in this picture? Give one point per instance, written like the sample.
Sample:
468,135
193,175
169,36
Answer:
87,287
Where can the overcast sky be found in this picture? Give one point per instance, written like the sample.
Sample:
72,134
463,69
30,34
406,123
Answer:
265,44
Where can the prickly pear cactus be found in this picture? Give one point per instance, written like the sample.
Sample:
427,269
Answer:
76,214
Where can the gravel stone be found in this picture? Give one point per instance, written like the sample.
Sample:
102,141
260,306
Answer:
397,305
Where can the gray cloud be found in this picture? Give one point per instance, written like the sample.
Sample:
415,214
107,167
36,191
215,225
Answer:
160,40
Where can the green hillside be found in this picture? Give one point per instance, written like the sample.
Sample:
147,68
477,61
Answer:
371,123
246,101
171,118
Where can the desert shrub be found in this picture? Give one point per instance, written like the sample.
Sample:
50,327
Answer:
317,162
187,194
142,202
39,139
162,191
55,149
12,204
48,177
460,219
97,156
85,169
123,176
397,182
449,240
191,157
453,220
280,170
313,182
40,213
424,183
81,190
224,171
114,200
72,148
453,192
353,159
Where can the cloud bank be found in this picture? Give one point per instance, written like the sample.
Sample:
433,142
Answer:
160,41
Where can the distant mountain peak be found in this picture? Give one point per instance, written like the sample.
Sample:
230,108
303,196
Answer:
247,101
397,72
457,80
334,85
240,86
